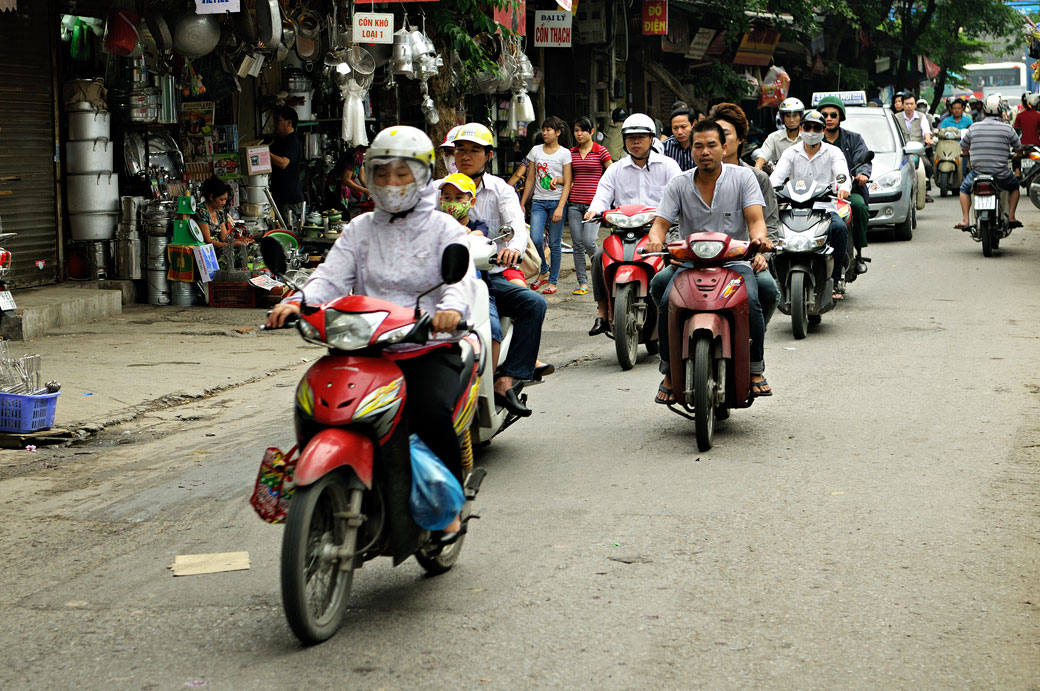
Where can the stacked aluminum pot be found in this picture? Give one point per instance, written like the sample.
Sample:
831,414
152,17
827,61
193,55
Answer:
92,186
127,252
253,202
158,224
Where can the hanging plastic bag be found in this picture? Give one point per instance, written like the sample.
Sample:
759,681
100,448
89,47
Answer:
437,496
774,87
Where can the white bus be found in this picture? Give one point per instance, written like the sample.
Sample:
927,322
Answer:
1009,79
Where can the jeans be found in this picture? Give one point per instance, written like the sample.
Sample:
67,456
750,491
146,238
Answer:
661,286
599,283
1005,181
838,237
432,380
542,211
527,310
860,219
583,239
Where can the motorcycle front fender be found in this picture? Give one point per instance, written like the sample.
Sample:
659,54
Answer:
631,273
334,448
710,322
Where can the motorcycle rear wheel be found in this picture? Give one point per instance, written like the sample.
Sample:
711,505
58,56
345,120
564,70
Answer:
626,326
986,233
436,559
315,588
702,369
799,300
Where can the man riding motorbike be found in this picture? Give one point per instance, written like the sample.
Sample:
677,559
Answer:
497,205
917,129
638,178
989,143
855,150
817,160
778,142
394,254
714,197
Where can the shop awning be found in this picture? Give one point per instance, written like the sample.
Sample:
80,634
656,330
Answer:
8,5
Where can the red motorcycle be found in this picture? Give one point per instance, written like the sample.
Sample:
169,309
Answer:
351,483
627,274
709,340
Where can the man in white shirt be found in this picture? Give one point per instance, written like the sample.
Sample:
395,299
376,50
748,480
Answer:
917,129
778,142
497,205
639,178
817,160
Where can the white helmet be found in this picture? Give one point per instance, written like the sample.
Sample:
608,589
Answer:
792,105
992,104
1033,100
410,145
637,123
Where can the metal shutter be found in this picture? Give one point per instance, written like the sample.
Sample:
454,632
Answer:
27,143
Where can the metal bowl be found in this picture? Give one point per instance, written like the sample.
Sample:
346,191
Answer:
196,35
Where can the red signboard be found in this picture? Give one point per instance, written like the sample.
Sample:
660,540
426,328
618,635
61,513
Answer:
513,17
655,17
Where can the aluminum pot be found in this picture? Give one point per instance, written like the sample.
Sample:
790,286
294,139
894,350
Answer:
96,256
158,287
89,156
93,125
127,255
156,253
262,180
93,226
93,192
255,195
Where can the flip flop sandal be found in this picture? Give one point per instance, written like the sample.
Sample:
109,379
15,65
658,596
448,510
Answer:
760,384
550,289
1014,224
962,226
538,284
661,388
581,290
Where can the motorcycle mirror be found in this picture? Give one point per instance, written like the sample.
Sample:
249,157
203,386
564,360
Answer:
274,256
505,234
454,263
840,179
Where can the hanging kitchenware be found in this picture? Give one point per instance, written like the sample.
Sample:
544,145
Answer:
121,35
362,65
338,67
160,31
196,35
269,23
244,26
401,62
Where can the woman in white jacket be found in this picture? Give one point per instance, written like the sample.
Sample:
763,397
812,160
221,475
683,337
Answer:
394,254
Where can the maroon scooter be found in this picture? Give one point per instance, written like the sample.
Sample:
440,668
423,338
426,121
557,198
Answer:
709,335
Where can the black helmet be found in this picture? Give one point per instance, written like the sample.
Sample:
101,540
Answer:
619,115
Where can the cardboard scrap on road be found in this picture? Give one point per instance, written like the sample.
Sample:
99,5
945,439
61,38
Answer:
197,564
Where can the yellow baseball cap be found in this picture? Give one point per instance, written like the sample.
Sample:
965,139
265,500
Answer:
463,182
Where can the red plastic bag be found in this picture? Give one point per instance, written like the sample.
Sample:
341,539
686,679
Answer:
774,87
274,485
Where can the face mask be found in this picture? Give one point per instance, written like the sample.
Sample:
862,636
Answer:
812,138
395,198
457,209
449,163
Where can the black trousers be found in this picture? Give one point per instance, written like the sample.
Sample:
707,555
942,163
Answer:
432,382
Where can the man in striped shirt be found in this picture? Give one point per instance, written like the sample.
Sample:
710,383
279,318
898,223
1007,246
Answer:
677,147
989,143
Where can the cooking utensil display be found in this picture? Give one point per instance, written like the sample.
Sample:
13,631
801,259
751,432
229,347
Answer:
269,23
95,225
195,35
160,30
93,192
88,156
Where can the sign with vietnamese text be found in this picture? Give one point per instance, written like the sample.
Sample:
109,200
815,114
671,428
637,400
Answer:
373,27
655,17
552,29
699,45
756,47
848,98
217,6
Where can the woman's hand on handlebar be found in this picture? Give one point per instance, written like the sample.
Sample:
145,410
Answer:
280,313
446,321
843,194
508,257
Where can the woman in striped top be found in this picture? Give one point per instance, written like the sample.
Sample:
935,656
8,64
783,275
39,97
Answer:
588,161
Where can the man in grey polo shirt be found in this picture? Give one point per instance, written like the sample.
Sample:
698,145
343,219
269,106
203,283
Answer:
714,197
989,144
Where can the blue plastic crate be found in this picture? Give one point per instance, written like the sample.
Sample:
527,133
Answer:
21,413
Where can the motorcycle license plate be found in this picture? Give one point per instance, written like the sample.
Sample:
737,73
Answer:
987,202
1027,163
7,301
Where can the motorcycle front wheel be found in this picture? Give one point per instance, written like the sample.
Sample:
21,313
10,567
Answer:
799,302
321,526
626,326
701,370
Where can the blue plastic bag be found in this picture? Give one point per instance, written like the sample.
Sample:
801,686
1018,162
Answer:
436,496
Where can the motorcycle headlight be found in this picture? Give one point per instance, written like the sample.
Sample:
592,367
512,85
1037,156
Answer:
707,249
351,330
887,182
308,331
799,242
623,221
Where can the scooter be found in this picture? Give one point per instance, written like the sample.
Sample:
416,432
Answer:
627,274
803,262
948,161
351,483
989,208
7,305
709,339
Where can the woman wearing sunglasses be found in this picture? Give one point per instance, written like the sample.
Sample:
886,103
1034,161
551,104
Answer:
815,159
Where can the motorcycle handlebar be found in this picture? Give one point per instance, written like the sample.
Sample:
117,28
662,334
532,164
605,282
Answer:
289,323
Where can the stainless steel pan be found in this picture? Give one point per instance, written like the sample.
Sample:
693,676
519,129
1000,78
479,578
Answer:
269,23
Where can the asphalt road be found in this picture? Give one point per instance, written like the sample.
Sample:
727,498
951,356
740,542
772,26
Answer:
872,525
